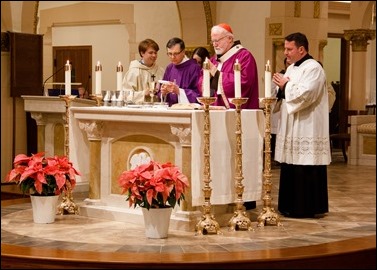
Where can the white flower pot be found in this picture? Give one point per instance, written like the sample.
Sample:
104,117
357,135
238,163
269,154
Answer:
44,208
156,222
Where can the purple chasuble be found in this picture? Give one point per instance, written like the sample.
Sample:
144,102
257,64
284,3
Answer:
249,79
186,76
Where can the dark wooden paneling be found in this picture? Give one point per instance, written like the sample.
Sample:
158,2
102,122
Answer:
26,54
80,58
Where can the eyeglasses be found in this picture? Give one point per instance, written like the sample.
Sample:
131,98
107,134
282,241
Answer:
170,54
217,40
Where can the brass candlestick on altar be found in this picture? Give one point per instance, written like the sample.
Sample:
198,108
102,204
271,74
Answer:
67,206
98,99
268,215
207,224
240,220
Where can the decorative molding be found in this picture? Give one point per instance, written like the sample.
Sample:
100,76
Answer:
278,43
297,10
87,23
209,23
182,132
39,118
5,44
322,44
275,29
36,18
317,9
359,38
93,129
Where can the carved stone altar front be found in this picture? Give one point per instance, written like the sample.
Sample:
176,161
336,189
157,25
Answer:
106,141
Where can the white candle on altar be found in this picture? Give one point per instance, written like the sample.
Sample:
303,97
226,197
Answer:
119,76
206,79
67,78
267,80
237,79
98,70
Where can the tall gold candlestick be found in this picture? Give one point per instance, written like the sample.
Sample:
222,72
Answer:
67,205
268,216
240,220
207,224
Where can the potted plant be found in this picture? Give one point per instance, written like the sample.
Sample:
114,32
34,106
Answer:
44,178
154,187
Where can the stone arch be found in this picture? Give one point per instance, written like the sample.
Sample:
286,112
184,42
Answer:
196,19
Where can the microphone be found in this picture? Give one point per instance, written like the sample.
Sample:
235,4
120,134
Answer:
43,86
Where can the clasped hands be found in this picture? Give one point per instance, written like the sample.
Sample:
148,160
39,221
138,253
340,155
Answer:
280,80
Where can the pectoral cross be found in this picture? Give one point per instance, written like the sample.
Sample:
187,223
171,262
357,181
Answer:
153,76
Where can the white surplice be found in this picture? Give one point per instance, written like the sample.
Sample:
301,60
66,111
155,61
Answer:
303,131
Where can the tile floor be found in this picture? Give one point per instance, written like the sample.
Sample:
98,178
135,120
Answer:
352,201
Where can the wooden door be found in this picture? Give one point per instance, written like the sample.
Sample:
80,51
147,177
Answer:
80,58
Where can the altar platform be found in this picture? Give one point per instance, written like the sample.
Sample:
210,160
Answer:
345,238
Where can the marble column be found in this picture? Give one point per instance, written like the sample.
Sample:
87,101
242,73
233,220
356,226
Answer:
184,135
41,127
94,131
359,42
278,55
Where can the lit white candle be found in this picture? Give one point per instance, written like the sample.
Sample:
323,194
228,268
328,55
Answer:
267,80
98,70
67,78
206,79
119,76
237,79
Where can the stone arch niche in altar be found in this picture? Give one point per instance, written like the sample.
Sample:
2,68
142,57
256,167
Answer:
129,151
138,156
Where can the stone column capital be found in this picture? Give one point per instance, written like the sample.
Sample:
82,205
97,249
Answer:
359,38
182,132
278,43
93,129
39,118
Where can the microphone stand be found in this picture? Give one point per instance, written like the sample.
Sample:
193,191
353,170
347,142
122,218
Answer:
45,93
86,85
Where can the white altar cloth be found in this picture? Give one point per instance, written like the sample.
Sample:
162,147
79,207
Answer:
222,152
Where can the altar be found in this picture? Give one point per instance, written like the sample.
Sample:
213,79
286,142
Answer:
104,141
49,112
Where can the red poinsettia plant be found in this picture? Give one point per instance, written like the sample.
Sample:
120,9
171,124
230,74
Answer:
43,176
153,185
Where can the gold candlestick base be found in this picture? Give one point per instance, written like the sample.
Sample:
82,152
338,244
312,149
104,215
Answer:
67,206
207,224
240,220
268,216
98,98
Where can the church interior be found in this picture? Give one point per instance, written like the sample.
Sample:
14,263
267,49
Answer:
38,36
